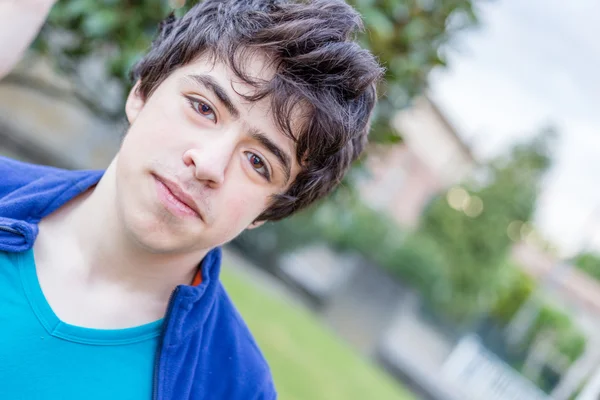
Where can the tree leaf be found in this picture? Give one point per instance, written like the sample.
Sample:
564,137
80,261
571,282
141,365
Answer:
100,23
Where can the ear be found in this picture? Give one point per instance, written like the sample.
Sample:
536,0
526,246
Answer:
256,224
134,103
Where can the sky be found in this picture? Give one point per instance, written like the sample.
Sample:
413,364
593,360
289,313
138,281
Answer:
532,64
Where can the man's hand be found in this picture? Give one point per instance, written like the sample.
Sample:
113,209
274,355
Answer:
20,22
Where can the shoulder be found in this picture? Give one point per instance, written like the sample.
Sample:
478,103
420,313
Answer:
207,351
252,367
16,174
211,336
34,191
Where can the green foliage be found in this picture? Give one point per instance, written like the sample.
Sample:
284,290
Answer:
550,321
122,29
347,225
589,263
476,245
406,35
512,294
568,339
419,262
414,259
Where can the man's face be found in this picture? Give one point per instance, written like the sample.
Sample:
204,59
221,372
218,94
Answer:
199,163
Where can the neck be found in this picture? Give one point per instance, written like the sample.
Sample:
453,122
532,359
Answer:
87,241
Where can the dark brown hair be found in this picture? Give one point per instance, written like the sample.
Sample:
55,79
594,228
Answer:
323,78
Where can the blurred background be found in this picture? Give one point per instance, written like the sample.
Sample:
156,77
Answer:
459,259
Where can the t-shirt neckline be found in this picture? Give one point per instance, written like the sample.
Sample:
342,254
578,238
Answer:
55,327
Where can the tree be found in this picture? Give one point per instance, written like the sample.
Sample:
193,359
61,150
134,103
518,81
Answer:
589,263
407,35
471,228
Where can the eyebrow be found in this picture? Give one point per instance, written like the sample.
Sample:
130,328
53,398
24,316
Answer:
281,155
211,84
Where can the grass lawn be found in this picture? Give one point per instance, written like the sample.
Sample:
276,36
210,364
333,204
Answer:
307,360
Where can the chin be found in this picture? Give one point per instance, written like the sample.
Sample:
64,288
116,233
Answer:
164,243
153,242
154,235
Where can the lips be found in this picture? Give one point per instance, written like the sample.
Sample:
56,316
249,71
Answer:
176,199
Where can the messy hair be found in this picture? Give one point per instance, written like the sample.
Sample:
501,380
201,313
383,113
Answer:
318,67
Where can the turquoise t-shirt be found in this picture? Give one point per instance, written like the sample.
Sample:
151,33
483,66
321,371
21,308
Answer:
44,358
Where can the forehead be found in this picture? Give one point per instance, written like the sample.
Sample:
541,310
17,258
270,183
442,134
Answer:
255,67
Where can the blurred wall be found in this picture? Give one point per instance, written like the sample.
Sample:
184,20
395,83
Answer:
40,122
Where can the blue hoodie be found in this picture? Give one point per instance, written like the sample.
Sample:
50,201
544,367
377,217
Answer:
205,352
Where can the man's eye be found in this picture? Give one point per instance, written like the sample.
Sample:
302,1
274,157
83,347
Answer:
202,108
258,164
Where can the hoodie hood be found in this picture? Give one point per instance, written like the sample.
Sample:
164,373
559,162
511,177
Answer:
30,192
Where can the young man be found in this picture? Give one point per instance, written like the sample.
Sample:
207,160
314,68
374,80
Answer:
243,111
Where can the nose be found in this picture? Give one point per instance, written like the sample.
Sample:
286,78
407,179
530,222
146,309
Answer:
209,161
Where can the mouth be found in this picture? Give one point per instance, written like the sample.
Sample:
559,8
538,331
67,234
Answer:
175,199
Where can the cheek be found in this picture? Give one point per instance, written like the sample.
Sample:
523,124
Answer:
153,130
145,144
234,216
242,210
158,119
